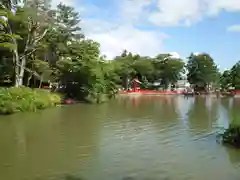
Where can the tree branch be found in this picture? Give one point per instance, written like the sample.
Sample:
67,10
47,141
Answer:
41,37
29,70
36,41
28,54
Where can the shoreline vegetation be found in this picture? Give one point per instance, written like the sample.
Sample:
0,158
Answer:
21,99
231,136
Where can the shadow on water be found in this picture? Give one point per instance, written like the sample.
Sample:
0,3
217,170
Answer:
234,113
70,177
233,155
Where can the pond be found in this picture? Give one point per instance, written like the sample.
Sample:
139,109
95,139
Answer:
138,138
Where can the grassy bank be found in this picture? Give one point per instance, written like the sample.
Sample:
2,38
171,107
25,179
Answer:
22,99
231,135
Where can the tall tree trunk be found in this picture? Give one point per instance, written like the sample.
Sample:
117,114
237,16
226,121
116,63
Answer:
22,70
29,79
16,64
16,59
40,85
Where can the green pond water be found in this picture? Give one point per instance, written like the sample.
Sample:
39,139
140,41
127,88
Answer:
137,138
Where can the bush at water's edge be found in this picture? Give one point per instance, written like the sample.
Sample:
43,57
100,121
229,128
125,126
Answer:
20,99
231,136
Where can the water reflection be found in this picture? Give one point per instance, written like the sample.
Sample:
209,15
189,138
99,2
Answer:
233,155
43,145
231,108
153,106
184,105
139,138
69,177
202,114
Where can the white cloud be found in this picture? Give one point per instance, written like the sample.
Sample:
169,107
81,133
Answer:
197,53
121,33
186,12
67,2
175,12
227,5
170,12
234,28
175,55
131,10
115,39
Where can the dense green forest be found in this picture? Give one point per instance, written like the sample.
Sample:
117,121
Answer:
40,44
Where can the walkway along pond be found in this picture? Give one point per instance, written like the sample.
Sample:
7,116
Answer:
142,138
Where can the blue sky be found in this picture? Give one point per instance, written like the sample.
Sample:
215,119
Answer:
150,27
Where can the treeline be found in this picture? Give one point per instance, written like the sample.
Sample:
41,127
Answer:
39,44
231,78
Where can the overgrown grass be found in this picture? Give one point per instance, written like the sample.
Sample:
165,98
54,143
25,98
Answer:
231,135
13,100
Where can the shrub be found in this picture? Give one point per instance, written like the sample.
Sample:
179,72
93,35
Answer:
20,99
231,136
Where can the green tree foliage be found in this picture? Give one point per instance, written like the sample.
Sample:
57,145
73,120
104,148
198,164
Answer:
168,69
30,22
235,74
53,47
39,44
231,78
162,68
226,79
9,4
202,70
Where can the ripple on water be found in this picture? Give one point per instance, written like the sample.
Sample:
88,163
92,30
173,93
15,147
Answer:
139,141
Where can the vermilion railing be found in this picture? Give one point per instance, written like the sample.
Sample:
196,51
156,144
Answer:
145,91
236,91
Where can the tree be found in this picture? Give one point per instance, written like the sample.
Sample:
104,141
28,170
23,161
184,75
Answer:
231,78
226,79
235,75
52,47
65,29
40,44
143,66
37,17
168,69
163,67
172,69
61,41
124,67
29,21
81,71
9,4
43,70
7,37
202,70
